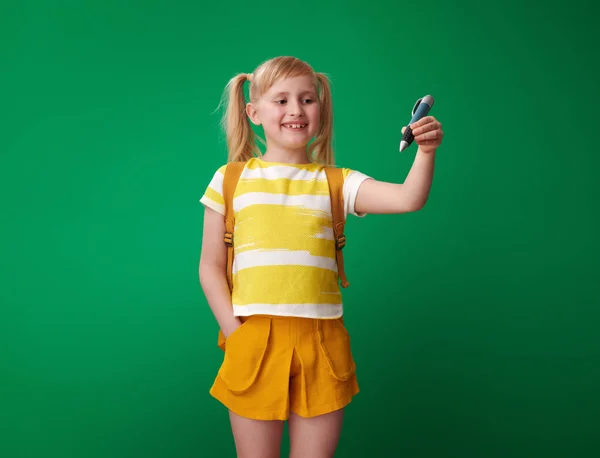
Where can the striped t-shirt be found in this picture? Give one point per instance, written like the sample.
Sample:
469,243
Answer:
284,258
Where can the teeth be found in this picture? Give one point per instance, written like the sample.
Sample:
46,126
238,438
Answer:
295,126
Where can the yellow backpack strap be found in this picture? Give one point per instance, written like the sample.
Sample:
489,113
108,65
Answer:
233,171
335,180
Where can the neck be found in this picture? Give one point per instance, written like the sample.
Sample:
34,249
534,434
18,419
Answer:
286,156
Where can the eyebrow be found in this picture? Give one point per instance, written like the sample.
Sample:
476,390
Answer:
301,93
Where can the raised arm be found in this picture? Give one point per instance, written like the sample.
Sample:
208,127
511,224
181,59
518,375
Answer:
377,197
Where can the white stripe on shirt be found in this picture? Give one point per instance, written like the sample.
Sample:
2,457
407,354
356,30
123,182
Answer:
278,172
261,258
308,201
325,311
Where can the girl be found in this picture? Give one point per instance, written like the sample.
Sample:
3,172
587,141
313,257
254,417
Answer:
287,352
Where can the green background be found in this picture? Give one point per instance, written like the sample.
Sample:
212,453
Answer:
474,322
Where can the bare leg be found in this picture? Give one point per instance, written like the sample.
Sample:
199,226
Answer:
256,438
315,437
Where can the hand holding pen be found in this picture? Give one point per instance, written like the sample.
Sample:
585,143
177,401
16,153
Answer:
425,130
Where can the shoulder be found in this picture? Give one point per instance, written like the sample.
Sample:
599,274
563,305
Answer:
352,175
213,194
346,172
219,174
352,179
221,169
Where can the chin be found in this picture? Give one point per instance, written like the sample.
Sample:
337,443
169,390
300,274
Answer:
297,145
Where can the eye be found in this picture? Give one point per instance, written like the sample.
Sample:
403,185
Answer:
308,100
277,101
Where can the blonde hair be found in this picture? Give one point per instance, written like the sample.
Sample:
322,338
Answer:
241,139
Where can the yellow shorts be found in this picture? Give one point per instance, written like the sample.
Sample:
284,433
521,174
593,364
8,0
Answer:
274,365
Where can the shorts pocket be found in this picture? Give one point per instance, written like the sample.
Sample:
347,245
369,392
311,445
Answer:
334,341
244,354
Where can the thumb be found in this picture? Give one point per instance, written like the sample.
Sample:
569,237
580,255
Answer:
403,129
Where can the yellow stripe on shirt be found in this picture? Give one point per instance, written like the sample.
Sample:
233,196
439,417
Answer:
286,285
284,227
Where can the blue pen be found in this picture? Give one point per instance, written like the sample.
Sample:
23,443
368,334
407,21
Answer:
420,110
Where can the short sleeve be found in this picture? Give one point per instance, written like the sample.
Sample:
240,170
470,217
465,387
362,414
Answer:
213,196
352,182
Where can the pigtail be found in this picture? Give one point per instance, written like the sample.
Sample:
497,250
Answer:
241,143
321,150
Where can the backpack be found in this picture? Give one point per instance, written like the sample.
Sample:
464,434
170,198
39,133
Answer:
335,181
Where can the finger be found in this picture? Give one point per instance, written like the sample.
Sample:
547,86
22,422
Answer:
424,120
427,126
416,124
430,135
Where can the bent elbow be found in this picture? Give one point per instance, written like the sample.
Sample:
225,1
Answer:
413,207
420,206
409,207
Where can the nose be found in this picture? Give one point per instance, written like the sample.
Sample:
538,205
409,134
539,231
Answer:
295,108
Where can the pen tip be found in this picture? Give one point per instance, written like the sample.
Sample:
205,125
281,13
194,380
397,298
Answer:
403,146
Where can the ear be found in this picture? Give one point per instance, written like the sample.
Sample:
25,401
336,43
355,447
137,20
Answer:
252,113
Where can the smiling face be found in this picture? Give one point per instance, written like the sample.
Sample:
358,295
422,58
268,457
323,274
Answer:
289,114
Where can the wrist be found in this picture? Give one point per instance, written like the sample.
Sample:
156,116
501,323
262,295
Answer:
425,150
230,327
